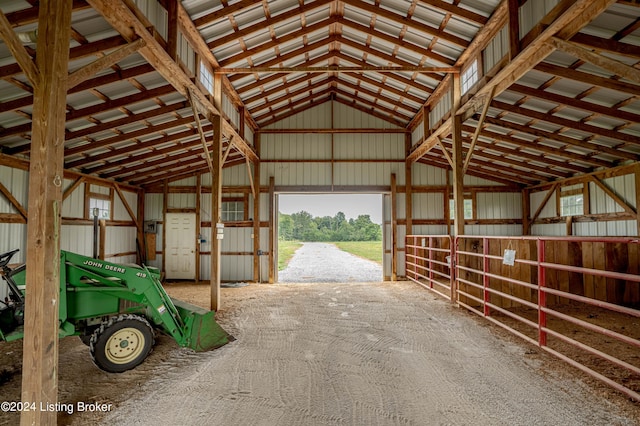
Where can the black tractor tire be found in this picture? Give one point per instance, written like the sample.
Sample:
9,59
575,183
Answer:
121,343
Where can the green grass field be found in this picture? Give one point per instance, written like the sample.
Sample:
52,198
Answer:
371,250
286,249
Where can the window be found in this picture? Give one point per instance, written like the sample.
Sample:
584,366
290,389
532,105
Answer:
103,206
571,205
469,77
468,209
205,77
232,211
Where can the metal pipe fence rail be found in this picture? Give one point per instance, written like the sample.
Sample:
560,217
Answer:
572,297
428,263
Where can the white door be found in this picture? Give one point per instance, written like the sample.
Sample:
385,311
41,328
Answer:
181,246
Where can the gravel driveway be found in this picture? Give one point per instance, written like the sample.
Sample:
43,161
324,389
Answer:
326,263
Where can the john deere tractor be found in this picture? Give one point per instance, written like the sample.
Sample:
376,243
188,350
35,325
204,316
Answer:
113,308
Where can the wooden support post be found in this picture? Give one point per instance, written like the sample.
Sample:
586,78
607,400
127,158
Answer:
172,30
637,181
272,229
514,28
165,206
142,241
198,223
103,239
458,165
408,190
241,121
394,229
257,264
216,212
40,346
216,194
526,212
569,223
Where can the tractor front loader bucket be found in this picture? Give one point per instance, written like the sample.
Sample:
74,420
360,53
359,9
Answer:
201,331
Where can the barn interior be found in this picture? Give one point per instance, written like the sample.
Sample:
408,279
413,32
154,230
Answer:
161,132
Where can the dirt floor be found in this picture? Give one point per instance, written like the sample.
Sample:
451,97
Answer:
316,354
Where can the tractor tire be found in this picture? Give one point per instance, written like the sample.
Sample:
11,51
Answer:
121,343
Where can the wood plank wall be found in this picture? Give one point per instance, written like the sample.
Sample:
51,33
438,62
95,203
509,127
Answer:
607,256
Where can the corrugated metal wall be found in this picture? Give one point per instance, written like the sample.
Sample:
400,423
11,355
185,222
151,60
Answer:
599,203
532,12
497,48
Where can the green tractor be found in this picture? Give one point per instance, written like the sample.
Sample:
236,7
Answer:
113,308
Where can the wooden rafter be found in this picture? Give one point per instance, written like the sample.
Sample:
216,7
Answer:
80,75
485,110
18,51
611,65
127,24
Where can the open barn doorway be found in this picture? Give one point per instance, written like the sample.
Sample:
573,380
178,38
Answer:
330,238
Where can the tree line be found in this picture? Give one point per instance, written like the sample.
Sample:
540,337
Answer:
302,226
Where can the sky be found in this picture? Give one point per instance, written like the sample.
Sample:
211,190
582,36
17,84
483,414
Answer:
319,205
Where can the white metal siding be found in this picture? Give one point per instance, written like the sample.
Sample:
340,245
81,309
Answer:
493,230
623,186
418,134
493,205
73,205
229,108
317,118
181,201
14,236
153,207
119,211
440,109
345,117
497,48
428,206
77,239
532,12
549,209
186,53
422,174
156,14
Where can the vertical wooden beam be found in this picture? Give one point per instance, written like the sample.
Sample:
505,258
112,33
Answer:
526,212
394,229
40,346
257,264
426,125
142,241
514,28
172,29
241,121
447,197
637,181
408,189
198,223
458,164
103,239
165,205
216,193
272,229
569,224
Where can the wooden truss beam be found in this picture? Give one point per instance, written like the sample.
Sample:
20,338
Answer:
576,16
129,26
611,65
82,74
340,69
18,51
